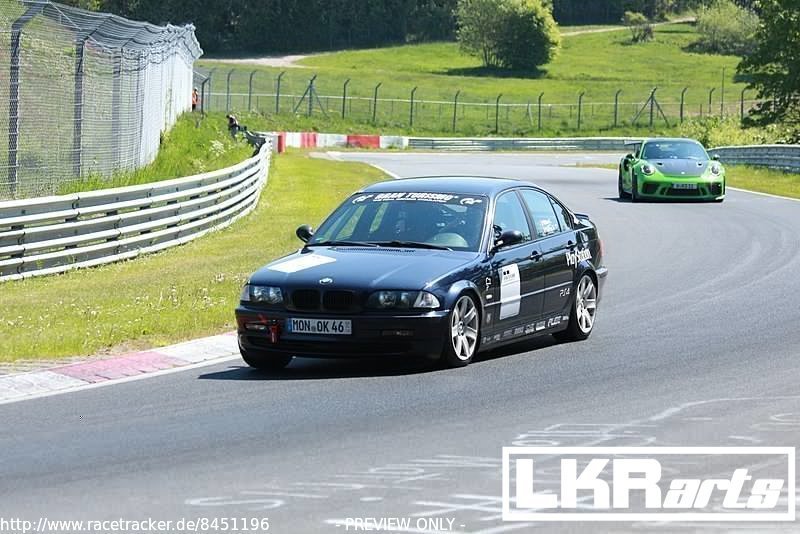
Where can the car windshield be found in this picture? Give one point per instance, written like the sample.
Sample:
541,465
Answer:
407,219
674,150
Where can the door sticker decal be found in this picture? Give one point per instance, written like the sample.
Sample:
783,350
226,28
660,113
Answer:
509,291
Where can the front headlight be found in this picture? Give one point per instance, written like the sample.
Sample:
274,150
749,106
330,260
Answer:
402,300
648,169
262,294
716,169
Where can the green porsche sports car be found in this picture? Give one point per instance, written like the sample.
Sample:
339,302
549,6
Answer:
671,169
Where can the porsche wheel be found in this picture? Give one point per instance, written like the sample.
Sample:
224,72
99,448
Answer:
620,190
634,189
582,315
463,328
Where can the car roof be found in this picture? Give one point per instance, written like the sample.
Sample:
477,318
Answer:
672,140
460,185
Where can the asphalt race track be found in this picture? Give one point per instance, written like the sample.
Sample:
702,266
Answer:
697,344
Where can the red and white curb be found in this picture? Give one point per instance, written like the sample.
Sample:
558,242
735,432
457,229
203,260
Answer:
125,368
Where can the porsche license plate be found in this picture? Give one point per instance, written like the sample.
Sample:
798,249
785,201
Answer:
684,186
337,327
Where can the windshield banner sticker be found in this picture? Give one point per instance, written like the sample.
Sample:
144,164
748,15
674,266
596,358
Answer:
443,198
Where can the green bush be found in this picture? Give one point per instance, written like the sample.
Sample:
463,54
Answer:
726,28
714,131
512,34
639,25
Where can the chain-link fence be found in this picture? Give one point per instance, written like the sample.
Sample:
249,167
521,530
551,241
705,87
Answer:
299,92
85,93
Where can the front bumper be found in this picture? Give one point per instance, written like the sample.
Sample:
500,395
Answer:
373,334
665,188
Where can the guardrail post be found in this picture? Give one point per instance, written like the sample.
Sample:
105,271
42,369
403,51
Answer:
455,108
228,92
497,113
616,107
580,106
344,96
540,110
77,139
710,93
741,104
278,92
375,102
411,111
250,92
683,100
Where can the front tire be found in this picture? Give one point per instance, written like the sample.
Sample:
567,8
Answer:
582,315
265,361
463,333
634,188
621,192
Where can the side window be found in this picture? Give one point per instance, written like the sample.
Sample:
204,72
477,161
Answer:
510,215
542,213
562,215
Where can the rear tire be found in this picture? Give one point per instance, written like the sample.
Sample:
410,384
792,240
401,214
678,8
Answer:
265,361
462,333
582,315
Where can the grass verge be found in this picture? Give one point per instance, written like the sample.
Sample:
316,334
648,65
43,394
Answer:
182,293
194,145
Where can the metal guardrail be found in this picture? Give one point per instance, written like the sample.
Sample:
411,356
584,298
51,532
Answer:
785,157
612,144
49,235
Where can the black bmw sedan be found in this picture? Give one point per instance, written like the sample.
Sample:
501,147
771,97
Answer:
441,267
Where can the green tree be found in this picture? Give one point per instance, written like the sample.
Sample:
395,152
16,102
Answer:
513,34
773,67
726,28
639,25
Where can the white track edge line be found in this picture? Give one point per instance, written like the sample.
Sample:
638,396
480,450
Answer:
113,382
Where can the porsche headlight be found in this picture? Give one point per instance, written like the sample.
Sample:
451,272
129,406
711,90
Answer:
648,169
402,300
262,294
716,169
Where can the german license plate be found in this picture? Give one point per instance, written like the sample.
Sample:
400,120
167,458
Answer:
684,186
338,327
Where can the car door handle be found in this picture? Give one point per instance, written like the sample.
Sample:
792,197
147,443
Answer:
536,255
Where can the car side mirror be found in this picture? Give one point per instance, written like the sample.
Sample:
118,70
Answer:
304,233
508,238
629,156
715,157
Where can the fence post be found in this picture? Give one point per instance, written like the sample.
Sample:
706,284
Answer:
210,87
375,102
203,95
77,140
616,107
741,104
250,92
652,105
116,96
683,99
228,92
722,96
311,91
540,110
580,106
411,112
344,96
711,92
278,93
455,109
497,113
13,92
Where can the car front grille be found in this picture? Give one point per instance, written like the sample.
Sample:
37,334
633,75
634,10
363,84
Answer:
305,299
334,300
649,188
715,188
